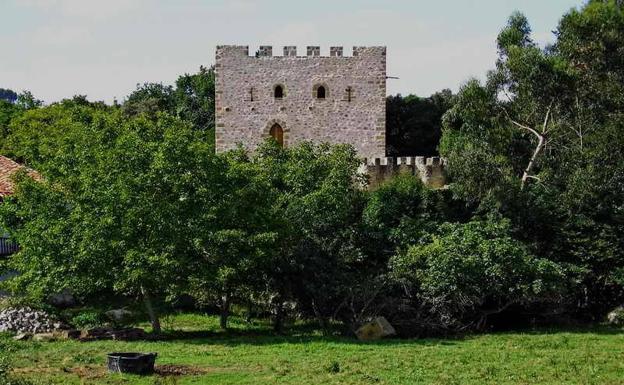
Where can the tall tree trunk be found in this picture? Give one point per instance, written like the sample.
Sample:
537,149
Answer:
225,311
153,316
322,320
249,311
278,325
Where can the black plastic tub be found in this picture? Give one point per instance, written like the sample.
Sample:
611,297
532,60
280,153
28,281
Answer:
136,363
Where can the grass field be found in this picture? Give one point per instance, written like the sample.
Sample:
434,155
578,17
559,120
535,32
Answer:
252,355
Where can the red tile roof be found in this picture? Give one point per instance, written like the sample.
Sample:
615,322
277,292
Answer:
9,167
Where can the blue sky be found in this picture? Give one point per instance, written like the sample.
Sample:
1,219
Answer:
103,48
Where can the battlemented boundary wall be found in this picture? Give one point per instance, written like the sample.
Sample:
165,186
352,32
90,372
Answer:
431,171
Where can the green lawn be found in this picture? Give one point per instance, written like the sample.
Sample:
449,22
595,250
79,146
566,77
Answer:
255,356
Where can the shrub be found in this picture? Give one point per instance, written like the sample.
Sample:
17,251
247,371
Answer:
471,271
88,319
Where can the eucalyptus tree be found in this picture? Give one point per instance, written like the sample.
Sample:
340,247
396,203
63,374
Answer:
541,142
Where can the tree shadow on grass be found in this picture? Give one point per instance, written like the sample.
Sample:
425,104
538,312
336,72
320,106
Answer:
598,329
304,334
263,339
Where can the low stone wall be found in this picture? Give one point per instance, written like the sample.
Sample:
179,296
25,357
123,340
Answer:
429,170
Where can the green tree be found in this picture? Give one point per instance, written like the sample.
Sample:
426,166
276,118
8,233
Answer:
237,239
191,99
11,108
116,210
35,135
318,203
414,125
401,212
150,99
8,95
194,98
471,271
541,143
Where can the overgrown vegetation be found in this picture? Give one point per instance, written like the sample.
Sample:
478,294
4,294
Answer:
133,201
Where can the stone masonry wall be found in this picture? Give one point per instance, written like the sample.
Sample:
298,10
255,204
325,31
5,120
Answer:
431,171
359,121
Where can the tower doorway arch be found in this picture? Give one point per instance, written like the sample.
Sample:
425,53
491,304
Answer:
277,133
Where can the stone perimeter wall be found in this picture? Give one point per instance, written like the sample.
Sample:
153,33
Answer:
430,170
335,119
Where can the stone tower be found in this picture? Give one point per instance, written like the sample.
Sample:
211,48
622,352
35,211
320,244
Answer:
335,99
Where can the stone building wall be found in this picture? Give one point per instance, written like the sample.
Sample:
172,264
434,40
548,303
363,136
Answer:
246,108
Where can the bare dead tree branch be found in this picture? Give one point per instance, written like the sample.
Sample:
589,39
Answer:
541,142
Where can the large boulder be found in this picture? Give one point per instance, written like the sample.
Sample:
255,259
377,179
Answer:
120,316
616,316
376,329
64,299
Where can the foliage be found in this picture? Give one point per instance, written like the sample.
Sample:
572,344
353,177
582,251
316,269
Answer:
236,239
36,134
8,95
541,144
116,209
471,271
316,205
149,99
88,319
192,99
402,212
12,108
413,124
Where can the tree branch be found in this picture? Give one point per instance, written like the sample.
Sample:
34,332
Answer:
532,130
546,119
541,142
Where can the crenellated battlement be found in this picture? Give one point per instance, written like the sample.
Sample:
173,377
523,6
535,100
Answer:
430,170
290,51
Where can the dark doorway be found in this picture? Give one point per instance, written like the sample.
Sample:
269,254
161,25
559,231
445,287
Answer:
277,133
278,92
320,92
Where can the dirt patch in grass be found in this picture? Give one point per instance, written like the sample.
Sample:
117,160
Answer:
88,372
93,372
84,372
179,370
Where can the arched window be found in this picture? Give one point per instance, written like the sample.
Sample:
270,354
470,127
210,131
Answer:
278,92
277,133
320,92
